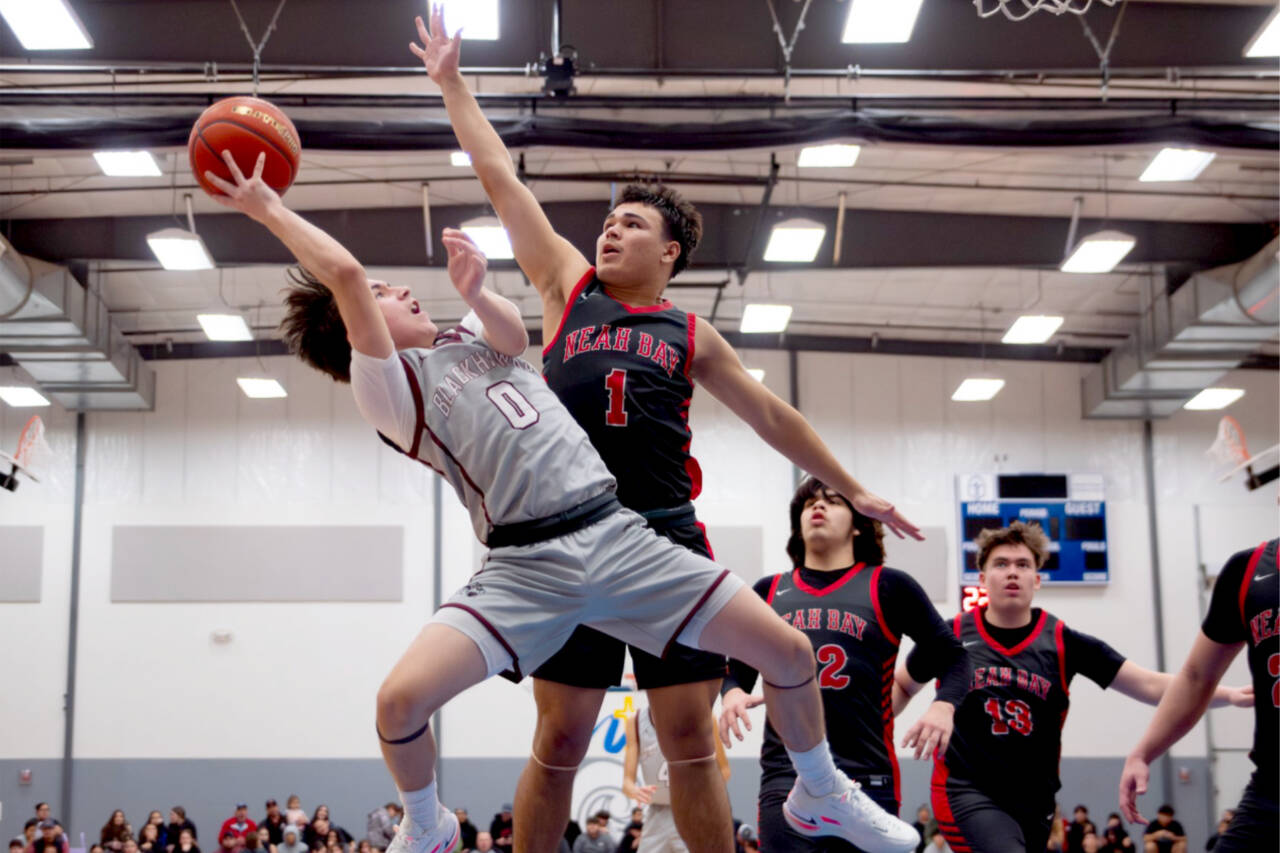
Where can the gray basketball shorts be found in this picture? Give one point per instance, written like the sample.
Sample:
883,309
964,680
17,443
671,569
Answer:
616,575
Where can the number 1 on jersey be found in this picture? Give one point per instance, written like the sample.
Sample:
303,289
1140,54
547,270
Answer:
616,384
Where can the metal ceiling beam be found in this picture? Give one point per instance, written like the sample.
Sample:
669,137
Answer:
872,238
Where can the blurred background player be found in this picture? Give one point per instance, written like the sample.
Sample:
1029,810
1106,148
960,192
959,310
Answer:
1242,613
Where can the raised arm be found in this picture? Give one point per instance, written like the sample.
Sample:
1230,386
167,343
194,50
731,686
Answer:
551,262
317,252
1182,704
1149,686
718,368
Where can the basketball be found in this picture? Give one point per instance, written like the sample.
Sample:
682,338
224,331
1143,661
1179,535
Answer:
244,126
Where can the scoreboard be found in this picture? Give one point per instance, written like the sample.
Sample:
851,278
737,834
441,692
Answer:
1069,508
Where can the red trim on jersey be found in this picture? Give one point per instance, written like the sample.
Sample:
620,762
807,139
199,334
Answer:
688,359
875,602
1031,638
702,528
886,704
1248,579
420,415
942,808
689,616
568,304
635,309
844,579
1062,656
773,589
515,660
955,624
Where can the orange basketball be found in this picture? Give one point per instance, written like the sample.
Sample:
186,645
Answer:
245,127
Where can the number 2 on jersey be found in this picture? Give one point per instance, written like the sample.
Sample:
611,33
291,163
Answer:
1019,717
616,384
833,659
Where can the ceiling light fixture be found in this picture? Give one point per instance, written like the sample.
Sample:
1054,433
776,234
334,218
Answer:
45,24
976,389
1099,252
1213,398
459,158
22,396
491,237
795,241
828,156
127,164
761,318
1177,164
1266,42
1032,329
261,389
224,327
880,21
757,373
179,249
478,19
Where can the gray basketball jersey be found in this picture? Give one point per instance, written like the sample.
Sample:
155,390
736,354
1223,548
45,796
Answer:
490,426
653,767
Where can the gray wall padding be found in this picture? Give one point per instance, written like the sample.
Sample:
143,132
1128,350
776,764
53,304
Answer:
155,563
21,562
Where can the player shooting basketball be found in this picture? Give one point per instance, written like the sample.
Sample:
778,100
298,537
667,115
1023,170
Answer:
563,551
624,360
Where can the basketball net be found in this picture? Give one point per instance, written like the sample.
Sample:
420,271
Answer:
1228,450
1017,10
34,452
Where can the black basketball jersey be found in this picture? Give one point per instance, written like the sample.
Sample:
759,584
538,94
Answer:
1259,596
857,653
1008,730
623,373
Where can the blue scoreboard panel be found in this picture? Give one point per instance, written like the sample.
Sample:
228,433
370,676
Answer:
1069,508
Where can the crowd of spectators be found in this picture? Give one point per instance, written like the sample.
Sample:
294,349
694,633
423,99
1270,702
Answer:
291,830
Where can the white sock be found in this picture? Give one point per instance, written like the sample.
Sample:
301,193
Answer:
816,770
421,807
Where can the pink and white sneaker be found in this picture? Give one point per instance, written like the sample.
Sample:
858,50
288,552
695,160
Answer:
850,814
442,839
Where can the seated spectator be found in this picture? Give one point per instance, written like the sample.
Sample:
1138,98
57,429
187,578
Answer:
264,838
321,835
274,823
1089,842
238,824
745,836
253,842
334,843
364,846
630,841
50,833
1080,824
16,845
595,839
293,812
380,826
500,829
1164,834
96,848
292,842
186,842
130,846
484,842
30,830
114,832
1115,838
178,822
230,842
149,839
571,832
603,818
467,829
1223,823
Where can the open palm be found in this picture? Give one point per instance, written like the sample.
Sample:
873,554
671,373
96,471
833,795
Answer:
439,53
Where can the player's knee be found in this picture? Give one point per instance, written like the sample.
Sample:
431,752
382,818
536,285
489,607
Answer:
561,741
795,659
398,706
687,732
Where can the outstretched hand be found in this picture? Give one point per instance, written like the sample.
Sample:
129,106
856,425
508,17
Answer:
874,506
440,54
1133,783
932,732
467,264
250,195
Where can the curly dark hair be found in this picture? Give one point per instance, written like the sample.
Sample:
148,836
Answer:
868,544
312,327
1018,533
683,221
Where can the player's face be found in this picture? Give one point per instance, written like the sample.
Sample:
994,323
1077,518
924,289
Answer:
825,521
409,324
1010,576
633,244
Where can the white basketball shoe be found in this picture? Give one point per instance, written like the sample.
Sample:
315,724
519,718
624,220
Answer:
850,814
442,839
